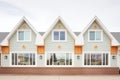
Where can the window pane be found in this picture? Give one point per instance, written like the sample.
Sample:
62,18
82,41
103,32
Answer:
27,35
67,59
85,59
98,35
13,59
98,59
62,35
70,59
20,59
51,59
26,59
48,59
92,35
88,59
106,59
59,59
21,35
33,59
16,59
92,59
56,35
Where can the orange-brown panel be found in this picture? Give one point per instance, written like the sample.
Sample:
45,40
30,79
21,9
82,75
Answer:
78,49
40,49
5,49
114,49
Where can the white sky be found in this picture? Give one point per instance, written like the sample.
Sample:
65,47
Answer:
76,13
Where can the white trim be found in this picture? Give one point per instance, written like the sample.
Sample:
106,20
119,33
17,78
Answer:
19,52
59,35
24,36
100,52
95,36
58,52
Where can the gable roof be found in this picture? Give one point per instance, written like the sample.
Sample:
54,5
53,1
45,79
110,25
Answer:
65,25
3,35
39,40
96,19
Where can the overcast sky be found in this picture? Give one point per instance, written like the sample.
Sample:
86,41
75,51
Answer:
76,13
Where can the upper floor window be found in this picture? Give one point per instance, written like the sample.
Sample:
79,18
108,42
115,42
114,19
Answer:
95,35
24,35
59,35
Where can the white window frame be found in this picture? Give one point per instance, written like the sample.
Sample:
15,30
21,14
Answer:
58,52
95,36
59,35
19,52
99,52
23,40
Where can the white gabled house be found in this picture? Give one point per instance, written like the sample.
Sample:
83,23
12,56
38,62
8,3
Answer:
95,46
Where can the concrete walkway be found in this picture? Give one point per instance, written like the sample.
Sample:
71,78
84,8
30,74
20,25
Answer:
59,77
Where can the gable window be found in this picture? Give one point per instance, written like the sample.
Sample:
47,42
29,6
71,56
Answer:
24,35
59,35
95,35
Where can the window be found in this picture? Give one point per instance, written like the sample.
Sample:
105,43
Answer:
96,59
23,59
59,59
95,35
59,35
24,36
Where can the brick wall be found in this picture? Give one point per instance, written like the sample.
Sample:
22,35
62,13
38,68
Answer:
57,71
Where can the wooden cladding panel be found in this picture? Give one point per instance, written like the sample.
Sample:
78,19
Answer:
114,49
40,49
78,49
5,49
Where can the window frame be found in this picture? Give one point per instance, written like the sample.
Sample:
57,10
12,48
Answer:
57,30
20,52
24,36
96,52
59,53
95,36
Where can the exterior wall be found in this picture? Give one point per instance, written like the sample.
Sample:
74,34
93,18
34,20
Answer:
5,62
40,61
113,60
102,46
53,46
78,61
17,46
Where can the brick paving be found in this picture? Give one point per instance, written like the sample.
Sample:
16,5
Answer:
59,77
